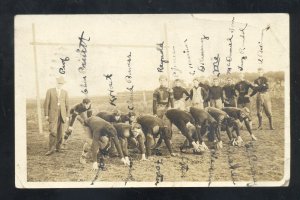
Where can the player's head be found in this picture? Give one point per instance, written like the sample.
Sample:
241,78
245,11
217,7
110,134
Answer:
163,80
229,80
136,129
86,102
215,81
177,82
195,82
132,116
117,113
260,71
242,76
60,82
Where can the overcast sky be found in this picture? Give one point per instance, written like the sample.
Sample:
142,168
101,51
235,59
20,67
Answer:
113,37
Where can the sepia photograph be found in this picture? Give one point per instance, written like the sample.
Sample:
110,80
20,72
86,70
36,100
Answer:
152,100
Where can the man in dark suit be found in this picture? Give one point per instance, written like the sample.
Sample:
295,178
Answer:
56,107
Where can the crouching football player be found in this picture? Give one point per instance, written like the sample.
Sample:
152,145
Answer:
80,111
206,123
153,127
101,132
130,136
186,124
241,115
225,122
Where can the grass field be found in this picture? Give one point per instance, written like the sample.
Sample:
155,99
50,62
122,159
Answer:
65,166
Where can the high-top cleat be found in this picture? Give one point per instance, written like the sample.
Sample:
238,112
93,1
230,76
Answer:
271,123
259,123
253,137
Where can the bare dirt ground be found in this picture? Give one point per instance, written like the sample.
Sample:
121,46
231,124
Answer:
65,166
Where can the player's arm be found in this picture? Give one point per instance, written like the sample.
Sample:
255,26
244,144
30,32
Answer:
155,99
190,96
124,146
246,121
149,141
113,135
254,88
166,137
186,93
171,98
141,141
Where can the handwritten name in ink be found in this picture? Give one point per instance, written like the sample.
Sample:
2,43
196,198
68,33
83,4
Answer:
252,159
241,67
159,175
101,166
260,46
242,49
83,85
232,166
242,35
175,70
211,169
202,67
128,79
160,48
82,50
130,176
229,39
216,63
183,166
187,52
62,69
112,96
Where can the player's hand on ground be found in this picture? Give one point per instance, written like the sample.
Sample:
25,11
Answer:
127,160
144,157
123,160
253,137
239,141
204,146
82,160
174,154
219,145
95,166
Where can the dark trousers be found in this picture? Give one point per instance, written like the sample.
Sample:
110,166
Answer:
56,128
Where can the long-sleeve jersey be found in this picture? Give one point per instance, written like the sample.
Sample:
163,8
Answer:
180,118
175,115
100,128
162,96
148,122
243,89
178,92
110,117
229,91
215,112
77,110
201,116
261,85
215,92
235,113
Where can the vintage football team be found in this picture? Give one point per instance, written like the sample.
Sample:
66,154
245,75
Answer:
200,114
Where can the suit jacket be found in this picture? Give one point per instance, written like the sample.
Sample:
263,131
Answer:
51,104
